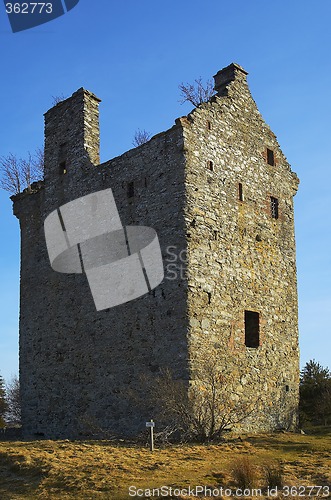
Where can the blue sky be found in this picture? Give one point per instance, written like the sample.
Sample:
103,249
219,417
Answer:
133,55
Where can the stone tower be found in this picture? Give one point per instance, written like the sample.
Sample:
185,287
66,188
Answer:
219,192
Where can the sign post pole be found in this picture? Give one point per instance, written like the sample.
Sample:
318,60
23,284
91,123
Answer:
151,426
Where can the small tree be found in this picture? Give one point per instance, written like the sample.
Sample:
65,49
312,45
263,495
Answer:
11,174
38,162
18,173
141,137
323,404
58,98
204,409
196,93
13,400
315,394
3,404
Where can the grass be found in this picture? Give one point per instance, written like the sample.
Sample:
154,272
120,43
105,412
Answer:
244,473
273,475
105,470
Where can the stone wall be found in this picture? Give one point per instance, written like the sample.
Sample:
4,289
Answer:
81,369
84,371
240,257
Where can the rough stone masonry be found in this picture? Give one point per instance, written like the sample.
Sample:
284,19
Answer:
219,192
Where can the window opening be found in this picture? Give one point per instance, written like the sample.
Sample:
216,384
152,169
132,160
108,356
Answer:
130,190
211,165
274,207
63,168
270,157
240,192
252,329
62,158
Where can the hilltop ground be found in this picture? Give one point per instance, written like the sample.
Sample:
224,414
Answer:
105,470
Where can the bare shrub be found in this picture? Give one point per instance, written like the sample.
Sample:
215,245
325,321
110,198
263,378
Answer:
18,174
13,400
11,174
58,98
141,137
38,162
3,402
197,92
244,473
203,409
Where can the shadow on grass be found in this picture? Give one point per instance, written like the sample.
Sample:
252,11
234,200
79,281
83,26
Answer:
19,476
289,445
318,431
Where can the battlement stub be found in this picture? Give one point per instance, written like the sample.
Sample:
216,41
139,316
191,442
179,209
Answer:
227,75
72,136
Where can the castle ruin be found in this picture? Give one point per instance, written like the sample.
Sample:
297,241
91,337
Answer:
219,192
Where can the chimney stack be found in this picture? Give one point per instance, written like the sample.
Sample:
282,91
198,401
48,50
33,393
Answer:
72,135
227,75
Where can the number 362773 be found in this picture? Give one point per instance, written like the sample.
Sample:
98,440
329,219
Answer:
29,8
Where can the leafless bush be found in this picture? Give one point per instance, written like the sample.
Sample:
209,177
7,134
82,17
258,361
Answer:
11,178
3,402
38,162
57,99
204,409
18,174
141,137
13,400
196,93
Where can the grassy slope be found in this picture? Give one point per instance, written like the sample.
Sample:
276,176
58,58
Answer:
93,470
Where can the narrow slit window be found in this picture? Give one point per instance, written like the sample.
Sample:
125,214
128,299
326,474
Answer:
62,158
130,190
208,125
252,329
240,192
274,207
211,166
63,168
270,157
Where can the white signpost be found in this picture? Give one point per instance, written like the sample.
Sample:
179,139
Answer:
151,425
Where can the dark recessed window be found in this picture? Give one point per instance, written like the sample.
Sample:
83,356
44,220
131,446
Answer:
63,168
270,157
210,165
252,329
208,125
63,149
274,207
287,388
240,192
62,158
130,190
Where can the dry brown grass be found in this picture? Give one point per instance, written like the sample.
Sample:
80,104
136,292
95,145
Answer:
104,470
244,472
